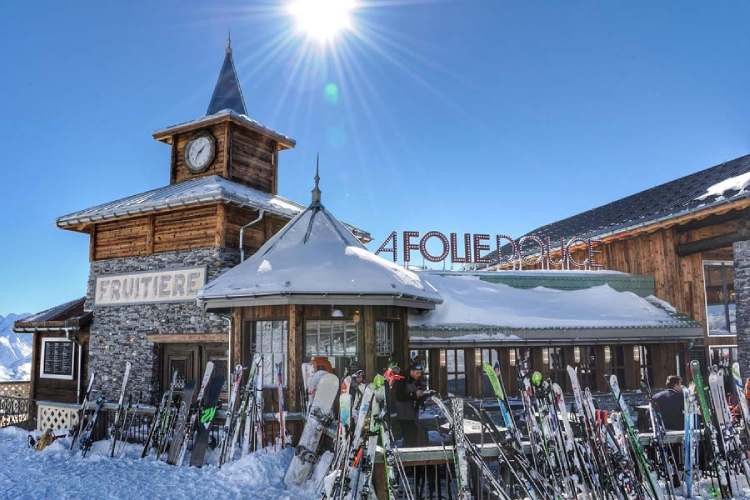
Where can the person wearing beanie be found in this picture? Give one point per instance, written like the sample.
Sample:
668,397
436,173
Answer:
410,393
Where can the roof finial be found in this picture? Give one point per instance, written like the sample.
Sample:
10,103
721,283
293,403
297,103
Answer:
316,189
229,42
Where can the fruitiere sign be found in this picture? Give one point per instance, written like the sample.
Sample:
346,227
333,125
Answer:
484,249
175,285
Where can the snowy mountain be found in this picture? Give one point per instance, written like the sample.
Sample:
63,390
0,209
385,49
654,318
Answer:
15,350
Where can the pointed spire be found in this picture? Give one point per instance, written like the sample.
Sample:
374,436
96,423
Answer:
316,189
227,93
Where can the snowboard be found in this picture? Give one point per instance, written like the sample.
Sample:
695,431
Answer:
319,417
206,414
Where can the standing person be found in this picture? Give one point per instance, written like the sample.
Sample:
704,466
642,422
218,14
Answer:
410,393
392,375
321,365
670,404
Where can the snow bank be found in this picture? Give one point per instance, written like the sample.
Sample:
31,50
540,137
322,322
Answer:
59,473
469,301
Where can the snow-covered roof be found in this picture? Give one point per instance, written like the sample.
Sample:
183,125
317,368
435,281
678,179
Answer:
472,307
191,192
69,315
220,116
200,190
315,259
730,187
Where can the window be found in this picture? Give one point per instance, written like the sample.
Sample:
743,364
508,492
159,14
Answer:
456,370
57,359
270,340
331,338
614,360
723,355
554,359
384,338
642,356
584,358
721,309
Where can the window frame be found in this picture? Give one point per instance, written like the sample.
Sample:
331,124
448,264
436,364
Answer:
42,373
284,353
390,330
726,294
455,373
345,344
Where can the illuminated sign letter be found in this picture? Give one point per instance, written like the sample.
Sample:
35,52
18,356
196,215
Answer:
393,250
467,249
408,245
443,240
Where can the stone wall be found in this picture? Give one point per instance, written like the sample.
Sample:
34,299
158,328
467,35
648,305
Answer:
742,296
118,333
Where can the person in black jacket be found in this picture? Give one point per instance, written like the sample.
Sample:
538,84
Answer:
410,393
670,404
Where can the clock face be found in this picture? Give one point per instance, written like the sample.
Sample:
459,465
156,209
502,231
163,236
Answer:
199,153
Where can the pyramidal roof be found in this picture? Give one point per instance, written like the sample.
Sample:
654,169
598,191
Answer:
315,259
227,93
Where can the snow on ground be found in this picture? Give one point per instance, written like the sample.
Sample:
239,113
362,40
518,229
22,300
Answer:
58,473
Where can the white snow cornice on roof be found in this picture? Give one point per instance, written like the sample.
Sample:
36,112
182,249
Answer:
315,259
469,302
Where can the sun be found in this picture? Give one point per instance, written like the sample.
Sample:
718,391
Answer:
322,20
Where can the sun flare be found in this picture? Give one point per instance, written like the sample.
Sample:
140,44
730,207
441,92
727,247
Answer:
322,20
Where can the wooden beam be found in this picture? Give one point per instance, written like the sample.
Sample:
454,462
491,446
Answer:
188,338
92,243
294,366
220,238
715,220
712,243
369,342
150,235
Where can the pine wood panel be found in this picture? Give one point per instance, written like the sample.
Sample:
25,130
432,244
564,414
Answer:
253,160
185,229
121,238
170,231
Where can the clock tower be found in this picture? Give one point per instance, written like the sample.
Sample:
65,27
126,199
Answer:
151,252
226,142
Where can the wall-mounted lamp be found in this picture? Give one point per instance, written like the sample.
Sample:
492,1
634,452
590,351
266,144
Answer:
336,313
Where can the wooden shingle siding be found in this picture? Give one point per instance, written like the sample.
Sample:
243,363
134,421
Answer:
120,238
186,229
253,160
177,230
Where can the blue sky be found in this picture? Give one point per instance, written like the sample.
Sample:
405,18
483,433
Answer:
468,116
